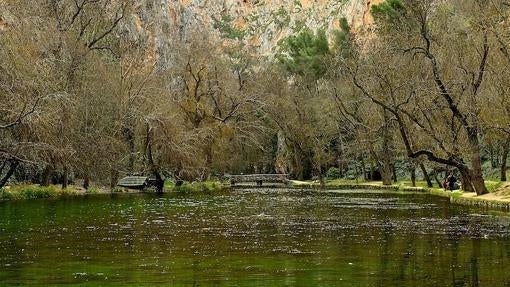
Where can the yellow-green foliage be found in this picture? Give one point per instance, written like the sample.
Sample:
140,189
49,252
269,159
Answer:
169,185
34,192
439,192
419,183
207,186
299,183
343,181
456,194
492,186
117,190
93,190
331,183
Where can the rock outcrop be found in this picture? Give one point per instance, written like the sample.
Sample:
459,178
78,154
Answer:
257,24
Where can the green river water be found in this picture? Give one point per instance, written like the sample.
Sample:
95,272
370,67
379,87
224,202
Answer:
252,238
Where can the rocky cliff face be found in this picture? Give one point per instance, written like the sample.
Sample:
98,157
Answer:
258,24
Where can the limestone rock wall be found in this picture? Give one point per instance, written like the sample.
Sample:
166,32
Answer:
258,24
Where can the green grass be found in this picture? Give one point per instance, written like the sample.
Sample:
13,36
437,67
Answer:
400,183
19,192
117,190
93,190
197,187
419,183
328,182
456,194
334,182
303,183
492,186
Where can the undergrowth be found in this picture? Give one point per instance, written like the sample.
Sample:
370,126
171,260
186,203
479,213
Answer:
34,192
195,187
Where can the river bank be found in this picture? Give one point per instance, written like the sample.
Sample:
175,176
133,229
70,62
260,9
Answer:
498,198
35,191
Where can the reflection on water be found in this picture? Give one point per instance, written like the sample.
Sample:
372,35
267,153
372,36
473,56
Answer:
253,238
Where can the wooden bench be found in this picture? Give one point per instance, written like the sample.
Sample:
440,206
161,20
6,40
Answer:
258,178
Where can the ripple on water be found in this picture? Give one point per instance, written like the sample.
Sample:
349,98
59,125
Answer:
158,234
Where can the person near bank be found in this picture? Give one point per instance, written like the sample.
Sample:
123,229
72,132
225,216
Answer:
451,180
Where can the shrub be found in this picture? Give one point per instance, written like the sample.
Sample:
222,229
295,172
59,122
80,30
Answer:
492,186
489,172
227,29
117,189
93,190
194,187
169,185
333,173
34,192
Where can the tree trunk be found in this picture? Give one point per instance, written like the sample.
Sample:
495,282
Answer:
114,178
209,156
356,173
321,178
4,164
46,175
386,170
86,181
307,166
129,135
372,171
438,181
363,167
472,181
303,166
493,156
297,168
394,173
466,181
13,164
413,175
386,174
65,177
426,176
479,184
475,173
504,158
160,183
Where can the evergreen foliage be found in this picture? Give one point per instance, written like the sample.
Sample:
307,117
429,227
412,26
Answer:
304,54
389,10
333,173
226,28
343,38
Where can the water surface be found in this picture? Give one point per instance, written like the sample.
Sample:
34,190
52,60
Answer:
252,238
